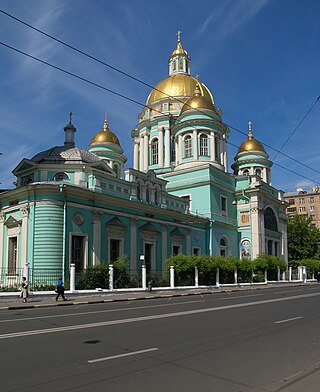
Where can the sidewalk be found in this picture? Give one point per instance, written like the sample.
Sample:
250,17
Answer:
12,301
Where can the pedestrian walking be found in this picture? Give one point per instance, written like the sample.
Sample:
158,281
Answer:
24,289
60,290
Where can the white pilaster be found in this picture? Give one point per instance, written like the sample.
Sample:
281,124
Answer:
146,152
160,144
24,234
167,147
2,263
96,251
179,150
136,156
164,245
133,244
212,147
195,144
141,153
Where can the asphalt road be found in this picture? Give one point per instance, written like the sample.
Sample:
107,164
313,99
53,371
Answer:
263,340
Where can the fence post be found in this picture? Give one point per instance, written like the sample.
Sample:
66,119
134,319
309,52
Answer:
72,278
235,276
217,277
265,276
111,277
144,277
304,274
196,277
290,274
278,275
172,276
26,272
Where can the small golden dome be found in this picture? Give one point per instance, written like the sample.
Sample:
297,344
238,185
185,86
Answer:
179,50
178,85
250,144
105,135
197,102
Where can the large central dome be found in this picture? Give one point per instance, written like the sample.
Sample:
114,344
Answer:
177,85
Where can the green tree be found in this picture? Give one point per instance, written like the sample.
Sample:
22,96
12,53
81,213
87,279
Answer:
303,239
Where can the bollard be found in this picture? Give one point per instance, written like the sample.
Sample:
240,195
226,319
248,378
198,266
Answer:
150,285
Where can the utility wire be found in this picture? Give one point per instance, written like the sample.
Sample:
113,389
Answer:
130,99
145,84
304,117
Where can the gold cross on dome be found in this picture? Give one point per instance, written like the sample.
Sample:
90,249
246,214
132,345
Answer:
197,76
179,34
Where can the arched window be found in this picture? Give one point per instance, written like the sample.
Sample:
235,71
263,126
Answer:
60,176
258,173
116,169
187,147
147,195
245,172
270,221
156,196
155,152
223,247
204,145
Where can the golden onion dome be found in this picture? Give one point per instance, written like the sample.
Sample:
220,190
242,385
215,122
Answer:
178,85
250,144
197,102
179,49
105,136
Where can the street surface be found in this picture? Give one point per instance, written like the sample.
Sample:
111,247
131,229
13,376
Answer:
246,341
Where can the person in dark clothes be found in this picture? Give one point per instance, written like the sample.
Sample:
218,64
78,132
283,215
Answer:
60,290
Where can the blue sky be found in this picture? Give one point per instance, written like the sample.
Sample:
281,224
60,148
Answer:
259,58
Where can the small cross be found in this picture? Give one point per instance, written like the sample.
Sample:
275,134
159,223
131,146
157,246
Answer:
197,76
106,116
178,34
249,124
70,115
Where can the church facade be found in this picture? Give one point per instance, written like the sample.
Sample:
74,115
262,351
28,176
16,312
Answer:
73,205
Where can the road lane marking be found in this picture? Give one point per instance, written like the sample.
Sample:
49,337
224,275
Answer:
286,291
287,320
98,311
148,350
242,296
152,317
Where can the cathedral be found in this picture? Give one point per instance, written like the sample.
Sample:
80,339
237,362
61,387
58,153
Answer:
82,206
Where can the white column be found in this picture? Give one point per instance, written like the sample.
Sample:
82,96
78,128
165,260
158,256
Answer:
212,147
195,145
255,227
72,278
221,152
196,277
110,277
96,251
172,276
179,150
2,263
167,147
144,277
136,156
160,144
141,168
133,244
24,234
146,152
164,245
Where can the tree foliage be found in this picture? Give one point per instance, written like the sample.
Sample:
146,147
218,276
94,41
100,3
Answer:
303,239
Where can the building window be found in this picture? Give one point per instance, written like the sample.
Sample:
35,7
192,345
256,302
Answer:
61,176
188,199
311,199
138,192
187,147
269,246
301,200
276,249
204,145
302,209
270,221
258,173
176,250
77,252
116,169
12,255
196,251
223,205
114,250
245,172
223,247
217,149
147,195
312,208
291,201
313,217
155,152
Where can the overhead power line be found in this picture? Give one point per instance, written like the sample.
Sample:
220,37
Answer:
137,102
147,85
